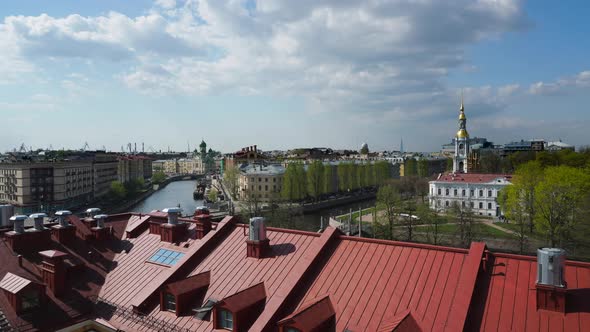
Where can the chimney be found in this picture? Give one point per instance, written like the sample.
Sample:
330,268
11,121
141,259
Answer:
18,223
257,245
40,236
53,270
64,233
89,220
100,232
203,224
255,148
39,218
551,287
172,231
16,239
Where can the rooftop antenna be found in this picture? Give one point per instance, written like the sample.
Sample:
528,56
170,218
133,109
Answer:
142,147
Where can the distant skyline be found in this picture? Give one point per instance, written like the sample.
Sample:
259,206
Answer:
288,74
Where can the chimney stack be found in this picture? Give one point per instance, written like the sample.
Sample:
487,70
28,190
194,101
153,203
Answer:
100,232
39,218
551,287
173,231
257,245
18,223
64,233
203,222
54,271
90,213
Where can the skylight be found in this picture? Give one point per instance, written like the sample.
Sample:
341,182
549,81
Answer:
166,257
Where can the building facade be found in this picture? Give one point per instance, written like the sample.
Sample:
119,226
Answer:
134,167
474,191
262,182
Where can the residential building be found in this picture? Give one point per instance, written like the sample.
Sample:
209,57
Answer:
134,167
105,169
45,186
558,146
473,191
263,182
177,274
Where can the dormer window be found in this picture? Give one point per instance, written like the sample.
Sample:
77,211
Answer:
225,320
30,299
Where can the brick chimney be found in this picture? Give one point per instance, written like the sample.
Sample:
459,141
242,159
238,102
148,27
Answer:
17,239
40,235
172,231
203,225
551,287
63,233
100,232
53,270
89,220
257,245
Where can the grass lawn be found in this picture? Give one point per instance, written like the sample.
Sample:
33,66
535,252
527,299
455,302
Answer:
480,230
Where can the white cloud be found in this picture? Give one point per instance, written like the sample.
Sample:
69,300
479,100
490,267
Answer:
561,86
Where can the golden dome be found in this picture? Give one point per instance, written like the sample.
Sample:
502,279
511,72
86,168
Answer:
462,133
462,115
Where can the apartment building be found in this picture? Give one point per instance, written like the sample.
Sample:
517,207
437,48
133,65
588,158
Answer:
263,182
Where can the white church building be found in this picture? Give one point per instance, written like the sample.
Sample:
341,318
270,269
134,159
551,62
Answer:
476,191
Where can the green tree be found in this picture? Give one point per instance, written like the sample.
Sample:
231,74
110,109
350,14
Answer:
365,149
422,168
526,178
212,195
342,170
230,179
300,181
513,205
388,198
410,167
449,165
158,177
361,175
382,172
328,179
465,221
559,199
315,179
118,190
353,176
431,222
370,175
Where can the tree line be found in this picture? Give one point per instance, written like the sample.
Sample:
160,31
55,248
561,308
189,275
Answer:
321,179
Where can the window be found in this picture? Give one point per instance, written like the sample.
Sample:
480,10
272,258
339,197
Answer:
265,179
259,179
29,299
463,192
480,205
446,203
166,257
471,204
480,193
439,192
489,193
489,205
455,192
447,191
170,302
471,193
259,188
225,320
463,204
274,179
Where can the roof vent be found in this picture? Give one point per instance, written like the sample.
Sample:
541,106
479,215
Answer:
91,212
18,223
551,286
257,229
173,214
38,218
62,217
550,266
257,245
100,220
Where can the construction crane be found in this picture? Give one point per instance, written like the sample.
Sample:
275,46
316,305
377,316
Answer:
85,147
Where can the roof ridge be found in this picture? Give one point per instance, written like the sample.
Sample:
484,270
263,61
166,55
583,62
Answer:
276,303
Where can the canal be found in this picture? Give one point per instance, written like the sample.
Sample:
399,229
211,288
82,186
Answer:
181,192
175,193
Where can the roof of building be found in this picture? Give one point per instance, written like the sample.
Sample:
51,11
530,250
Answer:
471,177
13,283
259,169
362,284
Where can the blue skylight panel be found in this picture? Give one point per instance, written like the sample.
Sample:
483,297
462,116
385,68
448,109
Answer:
166,257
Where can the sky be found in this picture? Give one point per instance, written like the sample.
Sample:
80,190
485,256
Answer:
288,74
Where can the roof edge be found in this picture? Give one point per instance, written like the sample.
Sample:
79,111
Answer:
405,244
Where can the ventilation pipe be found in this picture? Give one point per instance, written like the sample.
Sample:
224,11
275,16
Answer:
100,218
551,286
257,229
38,218
173,214
18,223
62,217
91,212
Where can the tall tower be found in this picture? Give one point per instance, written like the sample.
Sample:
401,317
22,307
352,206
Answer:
461,143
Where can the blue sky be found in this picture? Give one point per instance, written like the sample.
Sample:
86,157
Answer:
285,74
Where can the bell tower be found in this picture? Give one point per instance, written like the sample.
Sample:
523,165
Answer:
461,143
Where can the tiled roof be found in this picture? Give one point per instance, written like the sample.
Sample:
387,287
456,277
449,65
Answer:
472,177
13,283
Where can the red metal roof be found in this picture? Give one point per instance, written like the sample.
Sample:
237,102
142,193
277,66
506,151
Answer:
13,283
472,177
244,298
510,299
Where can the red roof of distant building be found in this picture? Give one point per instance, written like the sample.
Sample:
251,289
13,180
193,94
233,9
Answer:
472,177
